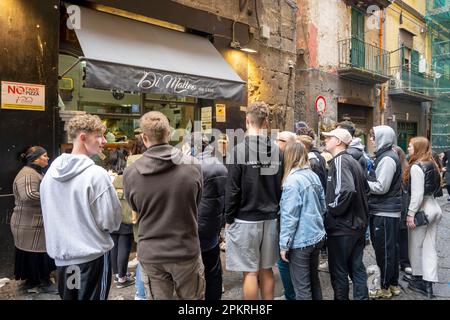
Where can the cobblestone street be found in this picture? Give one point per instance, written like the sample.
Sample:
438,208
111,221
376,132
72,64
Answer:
233,280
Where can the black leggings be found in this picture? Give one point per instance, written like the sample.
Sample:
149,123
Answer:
120,253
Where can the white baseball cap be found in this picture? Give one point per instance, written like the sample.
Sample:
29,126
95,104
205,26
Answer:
341,134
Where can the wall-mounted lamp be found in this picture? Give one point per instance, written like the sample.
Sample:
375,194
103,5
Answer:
237,45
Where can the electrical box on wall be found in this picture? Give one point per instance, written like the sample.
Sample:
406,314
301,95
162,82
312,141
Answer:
265,32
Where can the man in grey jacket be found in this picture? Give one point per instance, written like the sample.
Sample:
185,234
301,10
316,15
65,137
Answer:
385,205
80,209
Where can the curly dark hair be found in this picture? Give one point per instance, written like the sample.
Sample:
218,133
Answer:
306,131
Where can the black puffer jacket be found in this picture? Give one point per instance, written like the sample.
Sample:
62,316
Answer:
212,204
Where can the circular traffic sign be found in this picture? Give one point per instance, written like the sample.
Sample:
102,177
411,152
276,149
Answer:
321,104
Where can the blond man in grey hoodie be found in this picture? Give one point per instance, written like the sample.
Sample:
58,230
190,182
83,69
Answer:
80,209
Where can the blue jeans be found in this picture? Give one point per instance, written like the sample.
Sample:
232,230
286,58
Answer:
285,275
139,284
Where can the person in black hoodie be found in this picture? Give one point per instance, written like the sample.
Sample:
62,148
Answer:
314,161
346,218
355,148
253,194
211,216
322,163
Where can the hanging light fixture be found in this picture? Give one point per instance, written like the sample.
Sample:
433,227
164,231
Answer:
235,44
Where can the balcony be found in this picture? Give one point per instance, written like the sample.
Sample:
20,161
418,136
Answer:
366,3
410,84
362,62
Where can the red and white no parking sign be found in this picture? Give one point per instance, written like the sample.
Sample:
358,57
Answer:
321,104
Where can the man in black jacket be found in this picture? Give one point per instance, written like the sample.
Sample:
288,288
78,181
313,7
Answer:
253,194
210,217
346,218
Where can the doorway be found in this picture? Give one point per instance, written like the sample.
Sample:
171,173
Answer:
405,132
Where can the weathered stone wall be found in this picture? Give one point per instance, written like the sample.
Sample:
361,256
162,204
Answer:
269,77
313,83
320,25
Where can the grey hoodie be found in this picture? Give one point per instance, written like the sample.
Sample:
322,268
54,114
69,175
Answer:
385,169
80,208
356,143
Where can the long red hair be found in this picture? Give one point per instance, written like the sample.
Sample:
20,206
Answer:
422,152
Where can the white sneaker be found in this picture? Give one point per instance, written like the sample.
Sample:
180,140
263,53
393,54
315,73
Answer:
133,263
324,266
136,297
408,270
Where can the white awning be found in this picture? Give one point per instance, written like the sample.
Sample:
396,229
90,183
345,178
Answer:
134,56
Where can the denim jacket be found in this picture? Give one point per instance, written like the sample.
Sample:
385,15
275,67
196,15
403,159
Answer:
301,209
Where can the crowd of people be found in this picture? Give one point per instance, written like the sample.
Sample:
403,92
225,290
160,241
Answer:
282,202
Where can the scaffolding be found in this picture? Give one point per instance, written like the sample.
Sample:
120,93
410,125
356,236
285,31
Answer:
438,28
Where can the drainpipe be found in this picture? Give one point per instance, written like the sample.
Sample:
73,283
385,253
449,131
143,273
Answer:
382,64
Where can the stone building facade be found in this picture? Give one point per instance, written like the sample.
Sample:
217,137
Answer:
340,56
267,26
270,72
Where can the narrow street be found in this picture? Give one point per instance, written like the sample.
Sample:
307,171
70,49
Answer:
174,115
232,281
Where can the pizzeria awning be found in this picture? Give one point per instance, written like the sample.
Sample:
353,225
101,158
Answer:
128,55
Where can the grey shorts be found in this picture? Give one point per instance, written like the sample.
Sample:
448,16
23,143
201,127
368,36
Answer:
252,246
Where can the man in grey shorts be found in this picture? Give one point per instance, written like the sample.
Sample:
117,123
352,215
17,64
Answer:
251,206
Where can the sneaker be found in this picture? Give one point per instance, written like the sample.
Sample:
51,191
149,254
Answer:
123,284
133,263
323,267
116,278
380,294
137,297
49,289
408,270
395,290
33,290
27,285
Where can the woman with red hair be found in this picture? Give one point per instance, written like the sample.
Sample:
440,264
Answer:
424,213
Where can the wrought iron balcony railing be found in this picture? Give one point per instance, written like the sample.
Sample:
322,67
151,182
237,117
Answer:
357,54
409,81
